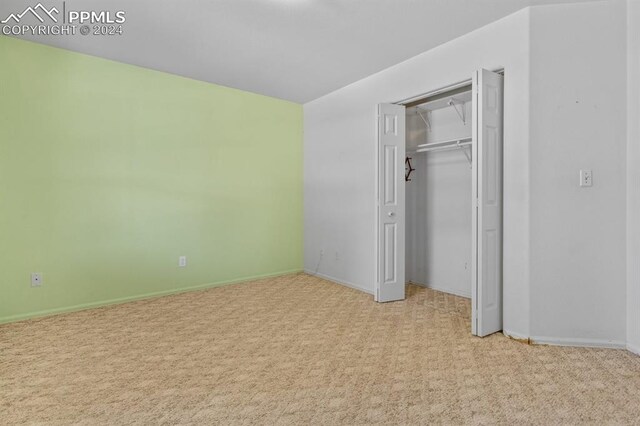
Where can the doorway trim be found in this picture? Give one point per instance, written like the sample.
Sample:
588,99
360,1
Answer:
448,88
415,100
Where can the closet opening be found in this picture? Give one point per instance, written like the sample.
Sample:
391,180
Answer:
439,197
438,192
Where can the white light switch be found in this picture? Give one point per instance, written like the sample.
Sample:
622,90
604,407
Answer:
182,261
586,178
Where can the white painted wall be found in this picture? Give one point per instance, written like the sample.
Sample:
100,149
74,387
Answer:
633,176
340,158
565,269
438,213
578,121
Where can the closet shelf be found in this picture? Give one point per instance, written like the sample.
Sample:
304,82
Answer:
444,101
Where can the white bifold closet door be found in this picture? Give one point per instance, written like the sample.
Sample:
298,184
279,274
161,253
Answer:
487,197
390,280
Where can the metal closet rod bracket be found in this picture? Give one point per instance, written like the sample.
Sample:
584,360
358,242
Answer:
426,120
466,154
461,113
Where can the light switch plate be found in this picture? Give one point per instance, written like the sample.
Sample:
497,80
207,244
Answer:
586,178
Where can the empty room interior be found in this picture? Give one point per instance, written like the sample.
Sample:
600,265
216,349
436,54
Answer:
320,212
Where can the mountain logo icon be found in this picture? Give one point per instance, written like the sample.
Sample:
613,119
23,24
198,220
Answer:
38,11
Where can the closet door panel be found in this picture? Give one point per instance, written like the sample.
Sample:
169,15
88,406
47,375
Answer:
487,165
390,272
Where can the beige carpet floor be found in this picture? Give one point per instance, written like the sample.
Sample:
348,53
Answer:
300,350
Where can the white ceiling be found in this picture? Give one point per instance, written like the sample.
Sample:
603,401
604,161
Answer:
291,49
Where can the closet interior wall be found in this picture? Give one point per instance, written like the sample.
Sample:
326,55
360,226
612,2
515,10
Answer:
438,200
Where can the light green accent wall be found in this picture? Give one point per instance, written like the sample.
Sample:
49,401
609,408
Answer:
110,172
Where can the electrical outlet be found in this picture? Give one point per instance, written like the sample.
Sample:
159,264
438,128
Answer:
36,279
182,261
586,178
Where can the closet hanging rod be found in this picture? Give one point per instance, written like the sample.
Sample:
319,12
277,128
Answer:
442,148
453,142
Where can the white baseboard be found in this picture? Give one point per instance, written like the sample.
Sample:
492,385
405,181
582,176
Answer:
337,281
443,289
537,340
633,348
577,342
126,299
